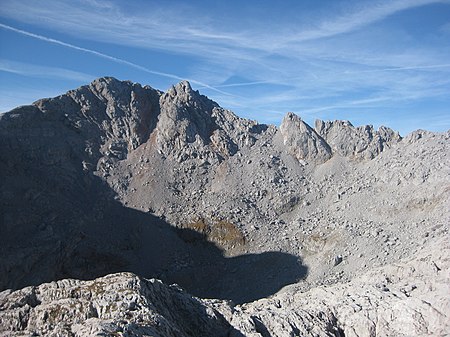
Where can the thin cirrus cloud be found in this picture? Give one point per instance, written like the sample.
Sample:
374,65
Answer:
165,28
337,57
27,69
169,30
364,14
102,55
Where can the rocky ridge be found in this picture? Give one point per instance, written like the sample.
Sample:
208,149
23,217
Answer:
115,176
115,304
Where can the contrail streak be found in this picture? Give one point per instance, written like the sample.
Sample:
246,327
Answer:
241,84
431,66
108,57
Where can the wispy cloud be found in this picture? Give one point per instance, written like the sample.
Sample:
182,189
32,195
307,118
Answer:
33,70
358,16
424,67
105,56
162,26
313,61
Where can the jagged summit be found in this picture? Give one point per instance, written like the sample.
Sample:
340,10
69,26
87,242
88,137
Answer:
360,142
182,120
183,88
338,137
303,141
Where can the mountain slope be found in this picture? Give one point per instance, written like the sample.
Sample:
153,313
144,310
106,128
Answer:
114,177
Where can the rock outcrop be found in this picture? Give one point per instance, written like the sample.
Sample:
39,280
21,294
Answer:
190,124
302,141
115,305
359,142
112,117
404,299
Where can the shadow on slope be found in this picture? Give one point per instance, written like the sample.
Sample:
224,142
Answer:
243,278
111,238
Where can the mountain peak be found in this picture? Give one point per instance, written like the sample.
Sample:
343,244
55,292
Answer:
361,142
182,89
110,83
184,85
302,141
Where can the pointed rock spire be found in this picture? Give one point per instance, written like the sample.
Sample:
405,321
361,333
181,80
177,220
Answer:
302,141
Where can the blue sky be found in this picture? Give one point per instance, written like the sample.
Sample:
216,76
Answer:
372,62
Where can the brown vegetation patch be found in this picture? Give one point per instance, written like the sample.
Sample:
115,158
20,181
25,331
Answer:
221,232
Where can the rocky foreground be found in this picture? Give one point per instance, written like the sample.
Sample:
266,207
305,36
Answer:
409,298
334,230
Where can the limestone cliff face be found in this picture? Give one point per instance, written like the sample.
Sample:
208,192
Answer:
185,118
113,305
303,141
361,142
334,137
111,117
191,123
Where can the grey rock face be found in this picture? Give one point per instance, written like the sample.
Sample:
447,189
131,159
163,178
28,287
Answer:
118,304
191,123
405,299
302,141
114,117
359,142
185,118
